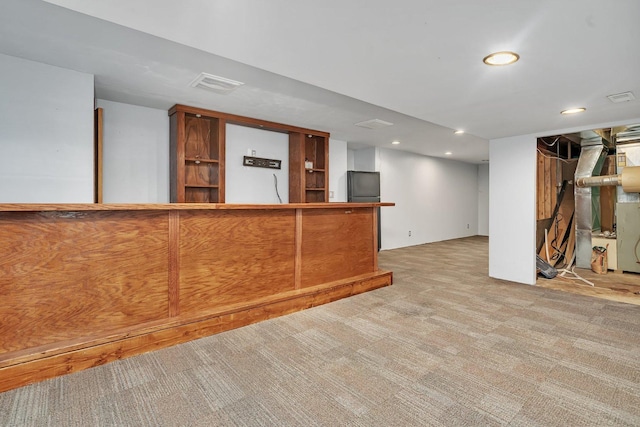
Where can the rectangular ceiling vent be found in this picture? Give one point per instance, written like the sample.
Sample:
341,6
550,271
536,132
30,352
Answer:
215,83
621,97
374,124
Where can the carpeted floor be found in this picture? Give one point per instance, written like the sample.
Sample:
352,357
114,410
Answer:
445,345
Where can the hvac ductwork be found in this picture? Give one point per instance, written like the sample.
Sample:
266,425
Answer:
587,204
629,179
590,163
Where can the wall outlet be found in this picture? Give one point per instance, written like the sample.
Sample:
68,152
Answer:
409,233
331,194
467,226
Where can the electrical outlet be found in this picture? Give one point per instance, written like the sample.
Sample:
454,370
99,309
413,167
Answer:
253,153
331,194
409,233
467,226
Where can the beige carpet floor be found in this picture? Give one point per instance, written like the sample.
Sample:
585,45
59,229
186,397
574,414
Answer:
444,346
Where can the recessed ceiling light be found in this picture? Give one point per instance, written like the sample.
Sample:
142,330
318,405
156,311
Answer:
573,110
395,142
501,58
459,132
448,153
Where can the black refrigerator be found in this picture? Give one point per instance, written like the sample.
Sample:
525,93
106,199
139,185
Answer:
364,187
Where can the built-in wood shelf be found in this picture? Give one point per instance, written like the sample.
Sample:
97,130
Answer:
308,184
197,154
198,160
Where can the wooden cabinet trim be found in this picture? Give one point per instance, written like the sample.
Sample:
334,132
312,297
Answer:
174,263
246,121
71,207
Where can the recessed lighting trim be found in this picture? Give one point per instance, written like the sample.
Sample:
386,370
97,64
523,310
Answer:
501,58
459,132
448,153
395,142
573,110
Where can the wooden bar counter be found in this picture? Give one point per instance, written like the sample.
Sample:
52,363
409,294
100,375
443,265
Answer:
85,284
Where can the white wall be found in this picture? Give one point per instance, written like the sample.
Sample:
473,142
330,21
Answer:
366,159
246,184
436,199
46,133
338,161
351,159
512,205
136,154
483,200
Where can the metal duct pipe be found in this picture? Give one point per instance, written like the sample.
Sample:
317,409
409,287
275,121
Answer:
589,164
629,179
599,181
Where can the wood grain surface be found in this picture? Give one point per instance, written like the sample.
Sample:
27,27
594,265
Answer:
81,286
296,167
202,173
174,263
68,275
127,345
546,186
234,256
200,137
176,156
298,258
98,163
201,144
336,243
70,207
245,121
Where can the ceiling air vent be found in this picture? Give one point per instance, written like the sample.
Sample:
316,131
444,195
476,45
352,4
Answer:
374,124
621,97
215,83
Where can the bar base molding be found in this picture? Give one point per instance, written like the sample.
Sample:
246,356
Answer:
46,363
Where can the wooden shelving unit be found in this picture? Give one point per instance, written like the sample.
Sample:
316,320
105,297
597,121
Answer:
308,168
198,156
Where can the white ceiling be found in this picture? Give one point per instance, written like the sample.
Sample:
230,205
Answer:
329,64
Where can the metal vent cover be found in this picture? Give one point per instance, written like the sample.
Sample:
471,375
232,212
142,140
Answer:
374,124
621,97
215,83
